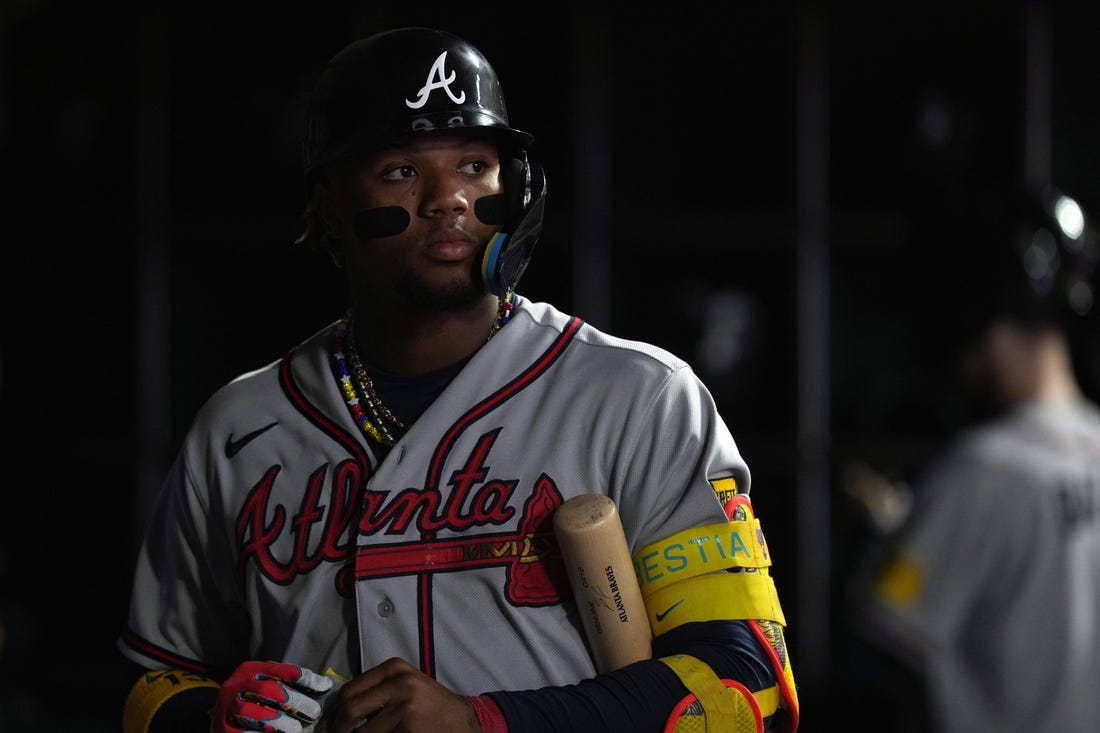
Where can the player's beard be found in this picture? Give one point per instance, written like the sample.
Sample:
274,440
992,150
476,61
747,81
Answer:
458,293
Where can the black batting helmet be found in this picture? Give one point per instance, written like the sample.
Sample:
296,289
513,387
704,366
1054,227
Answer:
1031,256
1058,247
401,81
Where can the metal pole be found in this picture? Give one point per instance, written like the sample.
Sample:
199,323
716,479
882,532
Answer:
1037,95
592,280
152,325
813,631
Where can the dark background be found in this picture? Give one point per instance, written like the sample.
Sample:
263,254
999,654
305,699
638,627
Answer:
770,190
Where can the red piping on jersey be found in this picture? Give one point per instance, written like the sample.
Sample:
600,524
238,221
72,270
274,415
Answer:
494,400
490,403
427,623
167,658
294,394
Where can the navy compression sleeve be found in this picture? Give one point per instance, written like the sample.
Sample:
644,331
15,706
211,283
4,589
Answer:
640,696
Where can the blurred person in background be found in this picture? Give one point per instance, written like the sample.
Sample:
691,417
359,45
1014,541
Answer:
976,603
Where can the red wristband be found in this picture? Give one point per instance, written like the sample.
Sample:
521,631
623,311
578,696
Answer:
489,716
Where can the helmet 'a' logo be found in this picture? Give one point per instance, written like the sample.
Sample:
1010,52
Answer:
437,79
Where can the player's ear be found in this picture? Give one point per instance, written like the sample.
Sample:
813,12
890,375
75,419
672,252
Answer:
324,203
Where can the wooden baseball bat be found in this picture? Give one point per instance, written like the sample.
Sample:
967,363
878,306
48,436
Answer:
601,573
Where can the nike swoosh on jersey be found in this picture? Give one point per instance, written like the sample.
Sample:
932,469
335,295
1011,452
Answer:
233,447
661,614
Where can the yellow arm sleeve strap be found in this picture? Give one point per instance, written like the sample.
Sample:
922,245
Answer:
701,550
722,707
151,691
714,597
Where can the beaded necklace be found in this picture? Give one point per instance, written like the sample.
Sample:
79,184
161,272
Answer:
367,409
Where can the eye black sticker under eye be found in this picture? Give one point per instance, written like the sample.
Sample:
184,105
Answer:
384,221
492,209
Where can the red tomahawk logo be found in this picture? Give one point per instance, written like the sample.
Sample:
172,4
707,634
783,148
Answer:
535,571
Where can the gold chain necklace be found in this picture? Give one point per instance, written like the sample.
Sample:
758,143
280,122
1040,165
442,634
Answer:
383,418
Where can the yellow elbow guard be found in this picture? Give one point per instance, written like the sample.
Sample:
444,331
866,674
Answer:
716,705
151,691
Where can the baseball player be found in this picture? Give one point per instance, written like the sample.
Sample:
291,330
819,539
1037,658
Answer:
983,608
358,535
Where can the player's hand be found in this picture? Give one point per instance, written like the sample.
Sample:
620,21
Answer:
269,697
395,696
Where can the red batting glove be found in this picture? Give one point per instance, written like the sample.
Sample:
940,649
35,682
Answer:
269,697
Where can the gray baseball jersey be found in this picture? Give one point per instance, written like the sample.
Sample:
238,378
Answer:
994,590
279,535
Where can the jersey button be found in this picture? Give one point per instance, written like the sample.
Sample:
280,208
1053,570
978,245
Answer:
385,608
